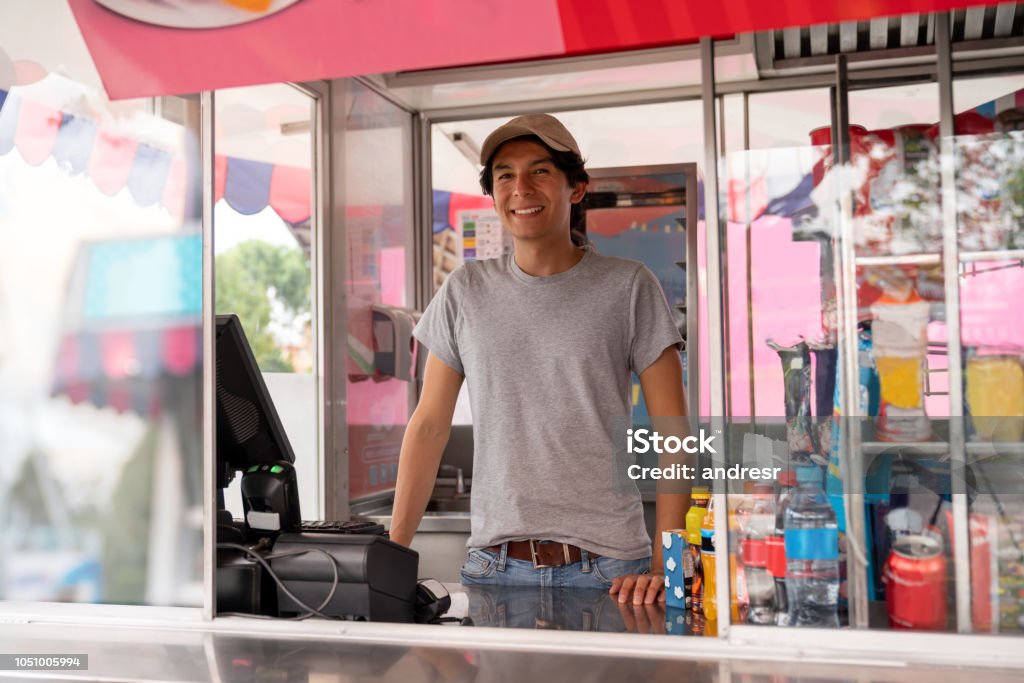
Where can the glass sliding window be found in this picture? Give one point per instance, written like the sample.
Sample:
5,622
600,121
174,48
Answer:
378,235
779,301
100,340
989,147
263,241
902,376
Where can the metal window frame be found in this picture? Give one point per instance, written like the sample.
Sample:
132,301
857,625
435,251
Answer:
954,360
209,325
324,352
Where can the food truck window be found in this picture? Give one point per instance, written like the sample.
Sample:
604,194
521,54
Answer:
100,334
920,406
263,232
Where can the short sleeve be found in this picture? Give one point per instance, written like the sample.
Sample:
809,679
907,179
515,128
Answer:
651,327
437,326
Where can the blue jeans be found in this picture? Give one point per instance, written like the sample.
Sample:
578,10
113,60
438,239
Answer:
488,568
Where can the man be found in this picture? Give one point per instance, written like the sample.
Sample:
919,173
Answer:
546,339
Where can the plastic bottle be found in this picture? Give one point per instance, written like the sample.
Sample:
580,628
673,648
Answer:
760,584
707,559
787,484
738,598
776,548
812,553
694,519
756,520
756,516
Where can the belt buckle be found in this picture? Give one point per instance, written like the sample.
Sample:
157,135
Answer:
534,557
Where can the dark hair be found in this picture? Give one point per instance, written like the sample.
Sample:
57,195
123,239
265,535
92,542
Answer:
569,163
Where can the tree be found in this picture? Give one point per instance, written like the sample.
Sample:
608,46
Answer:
267,287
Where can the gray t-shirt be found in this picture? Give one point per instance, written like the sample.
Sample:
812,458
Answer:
547,362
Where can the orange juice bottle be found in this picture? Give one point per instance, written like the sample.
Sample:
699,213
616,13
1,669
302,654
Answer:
707,559
694,520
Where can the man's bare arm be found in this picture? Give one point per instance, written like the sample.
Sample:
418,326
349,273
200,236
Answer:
662,384
422,447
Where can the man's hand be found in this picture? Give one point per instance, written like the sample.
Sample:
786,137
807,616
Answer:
644,589
643,618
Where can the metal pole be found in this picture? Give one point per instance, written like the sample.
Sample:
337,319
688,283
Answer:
748,230
846,305
206,139
693,331
335,269
423,255
319,256
724,261
716,337
420,233
951,278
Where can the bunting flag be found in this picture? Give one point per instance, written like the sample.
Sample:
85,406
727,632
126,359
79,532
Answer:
152,175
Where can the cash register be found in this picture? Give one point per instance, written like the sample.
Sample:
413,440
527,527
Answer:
271,562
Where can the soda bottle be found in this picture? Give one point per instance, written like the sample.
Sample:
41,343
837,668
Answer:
756,520
812,553
739,506
707,560
756,516
760,584
694,520
776,548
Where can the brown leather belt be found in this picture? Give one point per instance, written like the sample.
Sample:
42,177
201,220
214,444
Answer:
544,554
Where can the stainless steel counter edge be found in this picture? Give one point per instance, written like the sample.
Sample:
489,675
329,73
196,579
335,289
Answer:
861,649
433,522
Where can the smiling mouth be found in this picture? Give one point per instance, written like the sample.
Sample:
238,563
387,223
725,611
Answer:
527,212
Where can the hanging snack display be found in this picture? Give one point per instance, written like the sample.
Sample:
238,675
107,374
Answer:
899,348
902,210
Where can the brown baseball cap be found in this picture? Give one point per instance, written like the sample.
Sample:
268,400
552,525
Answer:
545,126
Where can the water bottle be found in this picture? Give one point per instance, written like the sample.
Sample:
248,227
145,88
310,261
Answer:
812,553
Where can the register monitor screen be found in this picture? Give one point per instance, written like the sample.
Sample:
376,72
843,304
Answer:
249,431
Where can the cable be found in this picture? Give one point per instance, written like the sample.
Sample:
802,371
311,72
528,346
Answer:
310,611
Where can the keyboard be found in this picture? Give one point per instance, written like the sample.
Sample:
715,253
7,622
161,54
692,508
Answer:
338,527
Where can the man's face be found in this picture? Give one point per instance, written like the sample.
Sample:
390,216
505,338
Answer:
532,196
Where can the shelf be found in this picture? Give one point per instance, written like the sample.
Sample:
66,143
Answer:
1003,255
935,259
899,260
942,447
924,447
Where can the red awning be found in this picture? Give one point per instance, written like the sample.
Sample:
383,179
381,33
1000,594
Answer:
323,39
